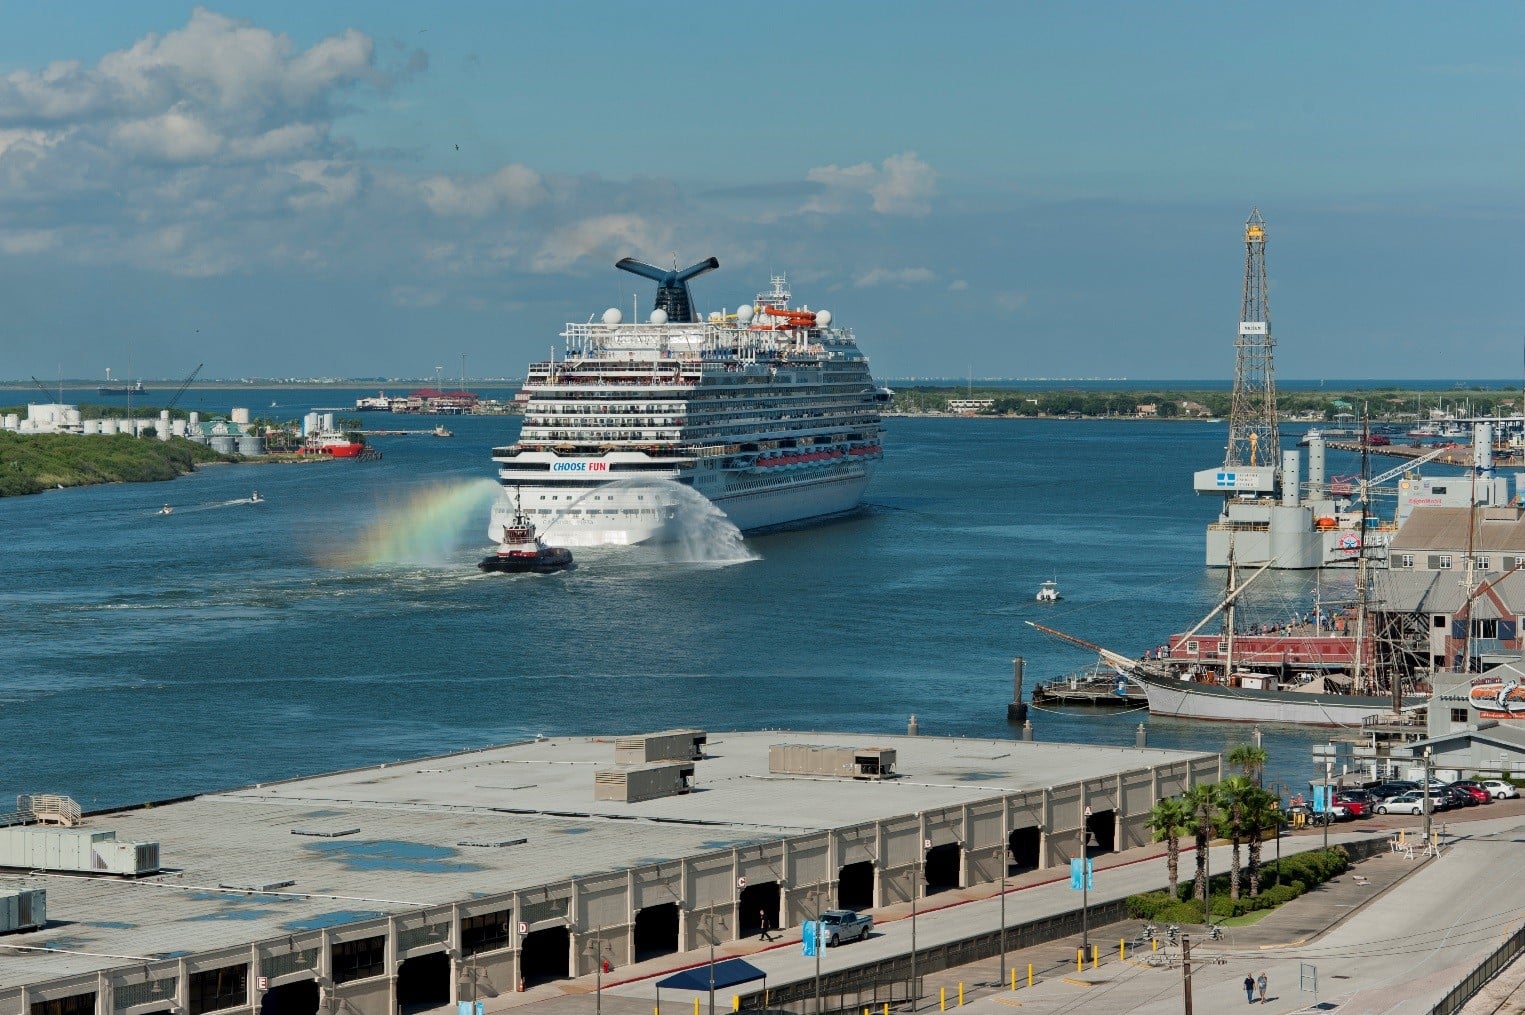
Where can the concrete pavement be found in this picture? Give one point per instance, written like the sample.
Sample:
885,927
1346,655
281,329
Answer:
1394,939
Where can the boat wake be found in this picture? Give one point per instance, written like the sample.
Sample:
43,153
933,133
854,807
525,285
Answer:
429,528
697,532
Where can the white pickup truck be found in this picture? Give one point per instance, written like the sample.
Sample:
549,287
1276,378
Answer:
838,925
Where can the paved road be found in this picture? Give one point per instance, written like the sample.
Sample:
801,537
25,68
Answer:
1398,943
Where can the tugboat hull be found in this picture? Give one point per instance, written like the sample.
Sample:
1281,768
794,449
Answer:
552,559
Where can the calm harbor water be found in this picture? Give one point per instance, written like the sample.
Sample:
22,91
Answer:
342,622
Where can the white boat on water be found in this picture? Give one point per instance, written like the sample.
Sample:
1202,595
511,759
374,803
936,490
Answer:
1048,592
769,411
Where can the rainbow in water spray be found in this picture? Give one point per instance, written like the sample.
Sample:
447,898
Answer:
428,529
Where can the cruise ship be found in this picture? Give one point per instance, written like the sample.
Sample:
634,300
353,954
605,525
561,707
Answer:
769,411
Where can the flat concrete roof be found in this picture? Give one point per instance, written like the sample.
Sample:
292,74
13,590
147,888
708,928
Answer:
396,838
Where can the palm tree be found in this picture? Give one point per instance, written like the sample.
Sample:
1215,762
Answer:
1169,820
1249,759
1262,811
1203,800
1237,794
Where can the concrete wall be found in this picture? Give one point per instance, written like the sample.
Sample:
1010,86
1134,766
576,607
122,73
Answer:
602,908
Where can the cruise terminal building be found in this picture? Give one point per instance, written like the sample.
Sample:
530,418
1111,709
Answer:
418,884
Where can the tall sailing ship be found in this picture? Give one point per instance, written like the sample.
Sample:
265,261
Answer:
770,412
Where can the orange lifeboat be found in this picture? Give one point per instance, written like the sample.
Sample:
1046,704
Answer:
784,319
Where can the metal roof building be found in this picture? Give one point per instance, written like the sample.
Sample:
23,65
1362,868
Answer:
415,883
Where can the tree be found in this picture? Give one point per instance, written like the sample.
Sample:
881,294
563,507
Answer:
1249,759
1262,811
1169,820
1237,796
1204,802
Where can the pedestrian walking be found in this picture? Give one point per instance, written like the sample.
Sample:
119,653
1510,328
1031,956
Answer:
1249,988
1261,985
762,921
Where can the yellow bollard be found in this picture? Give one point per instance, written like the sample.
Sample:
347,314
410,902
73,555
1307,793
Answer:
696,1006
1029,974
1122,950
736,1003
886,1008
942,998
1013,977
1095,956
1154,944
1080,960
961,994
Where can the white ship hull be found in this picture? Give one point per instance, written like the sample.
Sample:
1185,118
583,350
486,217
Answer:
621,514
1185,699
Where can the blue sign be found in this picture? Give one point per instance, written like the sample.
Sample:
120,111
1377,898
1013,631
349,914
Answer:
1228,479
811,937
1090,872
1319,795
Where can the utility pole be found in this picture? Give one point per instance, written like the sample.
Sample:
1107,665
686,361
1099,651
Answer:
1186,972
1085,884
1427,809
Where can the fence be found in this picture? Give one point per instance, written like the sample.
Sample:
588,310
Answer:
874,983
1490,967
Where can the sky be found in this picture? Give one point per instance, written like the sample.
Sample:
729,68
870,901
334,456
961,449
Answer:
1015,190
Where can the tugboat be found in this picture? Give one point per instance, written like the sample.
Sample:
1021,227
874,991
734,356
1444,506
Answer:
440,431
522,552
1048,592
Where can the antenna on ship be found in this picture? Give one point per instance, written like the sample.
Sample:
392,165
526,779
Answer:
672,285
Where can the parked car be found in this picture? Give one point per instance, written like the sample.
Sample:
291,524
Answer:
1500,789
1336,812
1476,790
1455,796
1357,806
1389,790
1411,802
840,925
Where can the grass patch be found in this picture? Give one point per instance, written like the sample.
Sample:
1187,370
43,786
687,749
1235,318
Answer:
31,463
1247,919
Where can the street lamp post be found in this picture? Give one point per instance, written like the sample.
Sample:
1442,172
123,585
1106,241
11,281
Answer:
595,950
1005,845
1328,803
1085,884
814,895
708,921
1427,809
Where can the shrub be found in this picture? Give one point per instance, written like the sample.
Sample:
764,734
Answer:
1148,905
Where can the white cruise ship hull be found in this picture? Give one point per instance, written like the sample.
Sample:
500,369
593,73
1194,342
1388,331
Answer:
658,511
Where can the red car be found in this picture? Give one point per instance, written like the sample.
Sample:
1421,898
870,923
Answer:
1475,790
1357,806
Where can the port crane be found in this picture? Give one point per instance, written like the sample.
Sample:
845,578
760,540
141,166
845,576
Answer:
183,385
1361,490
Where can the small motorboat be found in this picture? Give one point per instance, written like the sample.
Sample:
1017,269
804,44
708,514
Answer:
166,510
255,498
522,552
1048,592
440,431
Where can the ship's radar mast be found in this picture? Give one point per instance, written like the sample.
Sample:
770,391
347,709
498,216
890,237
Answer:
1253,439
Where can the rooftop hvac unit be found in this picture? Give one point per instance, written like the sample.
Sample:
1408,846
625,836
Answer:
94,851
643,782
23,910
835,762
669,745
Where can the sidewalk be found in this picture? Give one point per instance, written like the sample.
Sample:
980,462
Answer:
630,990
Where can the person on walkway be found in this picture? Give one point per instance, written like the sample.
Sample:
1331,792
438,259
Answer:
762,921
1249,988
1260,984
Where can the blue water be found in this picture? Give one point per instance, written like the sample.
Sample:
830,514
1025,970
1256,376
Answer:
342,622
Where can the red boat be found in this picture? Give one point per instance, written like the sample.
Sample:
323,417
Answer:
334,444
522,552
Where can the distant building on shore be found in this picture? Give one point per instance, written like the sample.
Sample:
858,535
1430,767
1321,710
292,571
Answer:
970,406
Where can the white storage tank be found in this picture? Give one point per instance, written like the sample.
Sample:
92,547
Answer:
328,421
164,430
92,426
71,416
249,444
12,421
195,423
240,416
310,423
177,427
224,444
108,426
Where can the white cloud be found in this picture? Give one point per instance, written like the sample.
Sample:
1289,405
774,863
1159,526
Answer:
34,241
175,136
608,235
958,285
901,185
893,276
512,186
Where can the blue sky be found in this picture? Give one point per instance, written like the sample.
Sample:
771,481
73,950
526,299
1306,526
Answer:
1024,190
